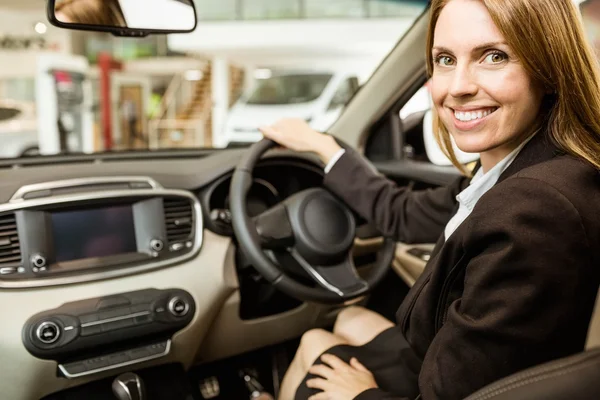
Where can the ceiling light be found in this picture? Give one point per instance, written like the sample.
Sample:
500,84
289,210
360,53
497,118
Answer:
41,28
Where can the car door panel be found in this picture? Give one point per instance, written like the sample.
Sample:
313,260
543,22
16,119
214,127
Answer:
410,260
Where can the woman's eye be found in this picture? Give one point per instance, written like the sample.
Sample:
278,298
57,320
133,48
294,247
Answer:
495,58
444,61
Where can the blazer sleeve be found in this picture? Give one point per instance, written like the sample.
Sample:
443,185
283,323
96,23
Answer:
399,212
528,291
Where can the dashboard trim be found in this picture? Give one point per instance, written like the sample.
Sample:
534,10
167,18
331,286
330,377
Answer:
69,375
19,195
102,275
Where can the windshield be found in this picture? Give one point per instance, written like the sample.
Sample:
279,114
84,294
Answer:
288,89
71,92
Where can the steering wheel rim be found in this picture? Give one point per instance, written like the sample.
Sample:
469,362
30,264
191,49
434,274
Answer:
251,242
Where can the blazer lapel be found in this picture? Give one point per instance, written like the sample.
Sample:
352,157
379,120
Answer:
539,149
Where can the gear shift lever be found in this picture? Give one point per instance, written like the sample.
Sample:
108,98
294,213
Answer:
128,386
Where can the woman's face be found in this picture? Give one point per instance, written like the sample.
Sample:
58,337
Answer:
481,91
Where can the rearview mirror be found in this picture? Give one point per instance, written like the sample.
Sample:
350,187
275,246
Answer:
124,17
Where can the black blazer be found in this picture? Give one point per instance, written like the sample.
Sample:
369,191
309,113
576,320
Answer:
515,284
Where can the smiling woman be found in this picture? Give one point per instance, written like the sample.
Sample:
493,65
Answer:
506,287
484,96
516,72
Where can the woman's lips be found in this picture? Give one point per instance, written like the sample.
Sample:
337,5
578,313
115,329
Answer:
471,119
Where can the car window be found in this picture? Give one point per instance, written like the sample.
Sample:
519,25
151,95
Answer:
248,63
7,113
288,89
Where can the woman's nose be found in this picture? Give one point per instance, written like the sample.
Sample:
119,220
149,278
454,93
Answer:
462,83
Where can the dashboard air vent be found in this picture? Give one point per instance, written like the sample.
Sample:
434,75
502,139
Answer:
179,218
10,251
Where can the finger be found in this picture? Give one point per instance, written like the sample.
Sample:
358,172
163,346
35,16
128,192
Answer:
334,361
322,371
356,364
268,131
317,383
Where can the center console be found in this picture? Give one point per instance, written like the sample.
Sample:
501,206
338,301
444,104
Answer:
82,230
135,326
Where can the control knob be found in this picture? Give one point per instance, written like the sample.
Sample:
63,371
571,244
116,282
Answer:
47,332
38,263
178,306
156,245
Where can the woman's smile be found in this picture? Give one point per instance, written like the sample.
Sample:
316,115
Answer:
466,119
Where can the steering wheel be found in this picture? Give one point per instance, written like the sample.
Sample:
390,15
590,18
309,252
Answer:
315,227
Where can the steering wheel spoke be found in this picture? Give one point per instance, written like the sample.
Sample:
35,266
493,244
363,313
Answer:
341,279
274,228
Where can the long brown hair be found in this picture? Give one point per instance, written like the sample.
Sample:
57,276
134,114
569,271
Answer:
548,38
92,12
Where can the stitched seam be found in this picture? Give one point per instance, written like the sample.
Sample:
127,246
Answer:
531,380
545,372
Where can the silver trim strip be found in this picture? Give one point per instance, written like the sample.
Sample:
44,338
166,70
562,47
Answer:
124,386
312,272
104,321
19,194
102,275
68,375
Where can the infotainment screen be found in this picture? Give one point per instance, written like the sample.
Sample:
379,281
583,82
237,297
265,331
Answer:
98,232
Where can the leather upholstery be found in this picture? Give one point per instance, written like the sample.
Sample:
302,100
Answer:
572,378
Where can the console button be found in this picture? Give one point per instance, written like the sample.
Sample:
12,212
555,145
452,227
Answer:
114,301
91,330
118,358
178,307
119,312
176,246
142,319
47,332
120,324
75,368
139,308
137,354
96,363
84,319
8,270
157,348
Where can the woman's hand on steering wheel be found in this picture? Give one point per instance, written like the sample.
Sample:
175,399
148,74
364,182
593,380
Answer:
295,134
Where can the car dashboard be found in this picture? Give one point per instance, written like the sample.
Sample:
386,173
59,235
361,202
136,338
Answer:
108,271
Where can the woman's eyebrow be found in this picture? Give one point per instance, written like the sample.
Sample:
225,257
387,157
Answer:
478,48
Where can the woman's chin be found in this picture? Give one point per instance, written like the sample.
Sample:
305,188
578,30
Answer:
470,144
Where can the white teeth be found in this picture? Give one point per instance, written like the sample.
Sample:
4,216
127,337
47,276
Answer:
473,115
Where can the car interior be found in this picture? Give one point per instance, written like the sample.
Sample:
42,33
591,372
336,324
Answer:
208,265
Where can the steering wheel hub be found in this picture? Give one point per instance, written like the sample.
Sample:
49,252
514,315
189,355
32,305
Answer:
323,227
